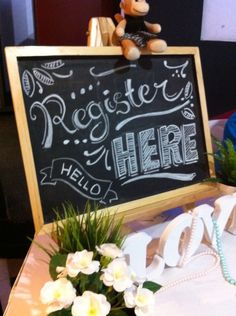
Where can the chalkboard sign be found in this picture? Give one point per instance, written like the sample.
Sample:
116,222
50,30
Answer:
94,126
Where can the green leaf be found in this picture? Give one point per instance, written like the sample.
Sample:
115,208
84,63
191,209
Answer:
58,260
63,312
75,233
94,283
121,312
152,286
225,157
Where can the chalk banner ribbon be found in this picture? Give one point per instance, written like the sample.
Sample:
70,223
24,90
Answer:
71,172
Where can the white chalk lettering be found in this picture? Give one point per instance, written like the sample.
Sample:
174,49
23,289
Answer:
125,160
151,150
147,151
75,174
190,154
170,137
95,189
65,170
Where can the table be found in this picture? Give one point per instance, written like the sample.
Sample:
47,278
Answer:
209,295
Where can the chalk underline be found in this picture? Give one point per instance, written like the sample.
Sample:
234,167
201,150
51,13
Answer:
167,175
151,114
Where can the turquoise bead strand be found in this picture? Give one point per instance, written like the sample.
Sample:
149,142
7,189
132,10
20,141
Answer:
223,261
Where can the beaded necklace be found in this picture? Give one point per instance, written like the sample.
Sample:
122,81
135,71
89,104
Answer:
196,275
187,259
219,258
223,261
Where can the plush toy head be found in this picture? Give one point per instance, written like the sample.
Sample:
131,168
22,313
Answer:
134,7
135,33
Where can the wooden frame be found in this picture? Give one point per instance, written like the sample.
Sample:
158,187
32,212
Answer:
101,32
143,207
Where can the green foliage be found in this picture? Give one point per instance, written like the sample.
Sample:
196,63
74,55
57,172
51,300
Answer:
225,157
57,260
92,228
74,232
124,312
152,286
63,312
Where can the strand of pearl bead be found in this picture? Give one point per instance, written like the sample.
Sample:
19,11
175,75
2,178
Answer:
193,275
223,261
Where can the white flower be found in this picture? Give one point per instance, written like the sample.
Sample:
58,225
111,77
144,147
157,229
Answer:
140,298
147,310
110,250
129,296
80,261
90,304
118,275
144,297
57,294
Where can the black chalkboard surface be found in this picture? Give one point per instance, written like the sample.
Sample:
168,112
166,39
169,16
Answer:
112,131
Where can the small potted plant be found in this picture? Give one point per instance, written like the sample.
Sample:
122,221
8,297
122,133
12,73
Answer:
89,271
225,160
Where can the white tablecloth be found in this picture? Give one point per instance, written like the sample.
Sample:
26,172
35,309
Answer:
210,295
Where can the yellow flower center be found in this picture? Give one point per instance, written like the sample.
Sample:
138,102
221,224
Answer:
84,262
92,312
94,308
141,299
57,294
118,274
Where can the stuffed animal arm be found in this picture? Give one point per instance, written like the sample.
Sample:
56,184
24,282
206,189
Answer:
153,28
120,29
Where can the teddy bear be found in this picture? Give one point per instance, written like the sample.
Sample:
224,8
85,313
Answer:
134,32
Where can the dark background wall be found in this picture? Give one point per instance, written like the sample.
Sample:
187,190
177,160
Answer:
66,22
181,22
181,26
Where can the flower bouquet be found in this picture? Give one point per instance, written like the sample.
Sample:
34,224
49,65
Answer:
90,274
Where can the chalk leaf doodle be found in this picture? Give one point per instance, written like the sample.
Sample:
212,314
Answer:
28,83
113,131
188,90
188,114
56,64
42,76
